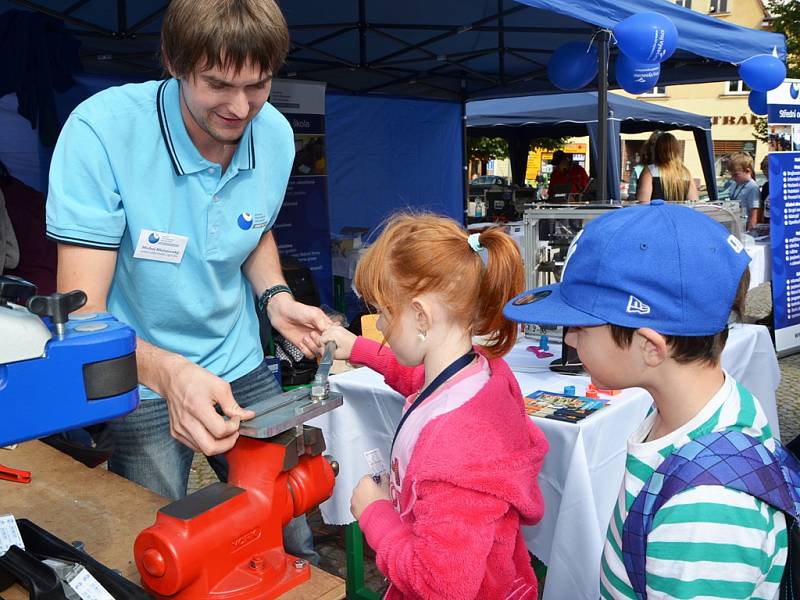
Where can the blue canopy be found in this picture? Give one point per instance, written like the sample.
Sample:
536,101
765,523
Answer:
520,120
456,50
467,50
445,49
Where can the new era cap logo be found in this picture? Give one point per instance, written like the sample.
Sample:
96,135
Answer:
637,306
734,243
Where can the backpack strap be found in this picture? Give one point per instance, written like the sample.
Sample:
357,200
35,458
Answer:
728,458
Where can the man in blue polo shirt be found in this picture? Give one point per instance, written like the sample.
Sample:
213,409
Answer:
162,199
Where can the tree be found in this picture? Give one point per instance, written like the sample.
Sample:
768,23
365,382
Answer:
484,149
785,19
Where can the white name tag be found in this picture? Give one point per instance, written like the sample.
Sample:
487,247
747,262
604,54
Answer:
86,586
160,246
9,534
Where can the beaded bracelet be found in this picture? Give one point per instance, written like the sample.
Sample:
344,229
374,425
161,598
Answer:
264,299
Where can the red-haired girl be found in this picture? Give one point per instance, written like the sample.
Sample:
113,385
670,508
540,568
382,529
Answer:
465,458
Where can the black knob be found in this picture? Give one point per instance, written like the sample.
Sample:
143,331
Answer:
333,463
57,306
15,289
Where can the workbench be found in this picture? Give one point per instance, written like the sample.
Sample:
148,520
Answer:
104,511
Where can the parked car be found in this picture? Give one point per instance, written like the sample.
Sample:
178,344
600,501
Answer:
490,182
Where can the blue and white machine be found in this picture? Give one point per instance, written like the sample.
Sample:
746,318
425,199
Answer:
60,372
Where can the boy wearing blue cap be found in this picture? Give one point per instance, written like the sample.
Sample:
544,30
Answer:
647,292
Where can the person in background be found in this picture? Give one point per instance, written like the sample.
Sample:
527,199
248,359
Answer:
162,200
645,155
745,190
445,522
37,255
565,171
765,191
647,295
666,178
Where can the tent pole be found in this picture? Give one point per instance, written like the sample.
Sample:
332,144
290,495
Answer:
602,118
464,157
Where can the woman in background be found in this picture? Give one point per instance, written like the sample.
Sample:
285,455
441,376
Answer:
645,156
667,178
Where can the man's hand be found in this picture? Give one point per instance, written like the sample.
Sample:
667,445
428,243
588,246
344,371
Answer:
191,393
299,323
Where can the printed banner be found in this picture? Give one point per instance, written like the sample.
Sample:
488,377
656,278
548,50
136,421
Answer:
784,196
302,229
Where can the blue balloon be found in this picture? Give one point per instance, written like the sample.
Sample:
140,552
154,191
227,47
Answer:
572,66
763,72
647,37
757,101
636,78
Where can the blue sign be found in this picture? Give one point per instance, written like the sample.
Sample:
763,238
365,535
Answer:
302,229
784,103
784,195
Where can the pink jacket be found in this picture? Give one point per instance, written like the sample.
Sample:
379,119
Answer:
473,473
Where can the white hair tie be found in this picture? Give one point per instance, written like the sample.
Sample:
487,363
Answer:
474,242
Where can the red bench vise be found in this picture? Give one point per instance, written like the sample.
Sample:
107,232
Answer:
225,542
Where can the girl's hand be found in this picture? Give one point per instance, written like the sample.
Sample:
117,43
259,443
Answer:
343,338
367,492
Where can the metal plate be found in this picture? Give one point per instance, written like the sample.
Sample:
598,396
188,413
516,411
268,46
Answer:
285,411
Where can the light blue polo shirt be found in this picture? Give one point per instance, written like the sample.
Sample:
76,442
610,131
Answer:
124,163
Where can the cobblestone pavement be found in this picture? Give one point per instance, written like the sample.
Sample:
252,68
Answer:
329,540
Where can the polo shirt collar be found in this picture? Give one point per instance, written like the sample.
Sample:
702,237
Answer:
183,154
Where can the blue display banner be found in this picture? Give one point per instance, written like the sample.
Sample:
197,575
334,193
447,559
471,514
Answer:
784,197
783,103
302,229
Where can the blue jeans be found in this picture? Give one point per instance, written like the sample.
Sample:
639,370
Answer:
145,452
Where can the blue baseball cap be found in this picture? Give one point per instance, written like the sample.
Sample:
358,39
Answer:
657,265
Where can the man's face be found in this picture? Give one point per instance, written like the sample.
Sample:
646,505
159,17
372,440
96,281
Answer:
222,102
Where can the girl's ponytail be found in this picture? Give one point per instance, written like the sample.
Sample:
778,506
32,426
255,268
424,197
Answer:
503,278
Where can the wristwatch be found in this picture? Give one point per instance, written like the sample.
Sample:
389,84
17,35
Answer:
264,299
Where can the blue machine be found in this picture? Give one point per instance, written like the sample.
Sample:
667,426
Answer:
59,372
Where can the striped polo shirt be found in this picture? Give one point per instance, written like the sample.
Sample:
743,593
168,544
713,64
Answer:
125,173
708,541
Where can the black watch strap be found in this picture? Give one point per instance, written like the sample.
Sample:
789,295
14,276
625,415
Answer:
264,299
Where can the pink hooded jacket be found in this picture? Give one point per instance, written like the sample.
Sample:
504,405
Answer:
473,480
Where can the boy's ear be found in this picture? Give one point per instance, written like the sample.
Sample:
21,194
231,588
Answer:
653,346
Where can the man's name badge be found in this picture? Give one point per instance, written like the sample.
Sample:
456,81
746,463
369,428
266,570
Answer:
160,246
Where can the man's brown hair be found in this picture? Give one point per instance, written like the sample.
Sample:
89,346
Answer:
685,349
198,35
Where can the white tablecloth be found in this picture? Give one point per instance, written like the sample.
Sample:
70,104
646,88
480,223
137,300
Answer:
582,472
761,263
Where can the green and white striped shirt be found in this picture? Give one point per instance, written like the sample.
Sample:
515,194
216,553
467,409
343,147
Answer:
709,541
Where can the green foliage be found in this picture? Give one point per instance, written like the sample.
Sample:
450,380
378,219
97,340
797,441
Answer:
786,20
760,129
485,149
548,143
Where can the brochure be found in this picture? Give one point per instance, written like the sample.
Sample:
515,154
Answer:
551,405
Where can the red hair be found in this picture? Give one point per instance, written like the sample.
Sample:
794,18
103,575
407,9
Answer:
419,253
